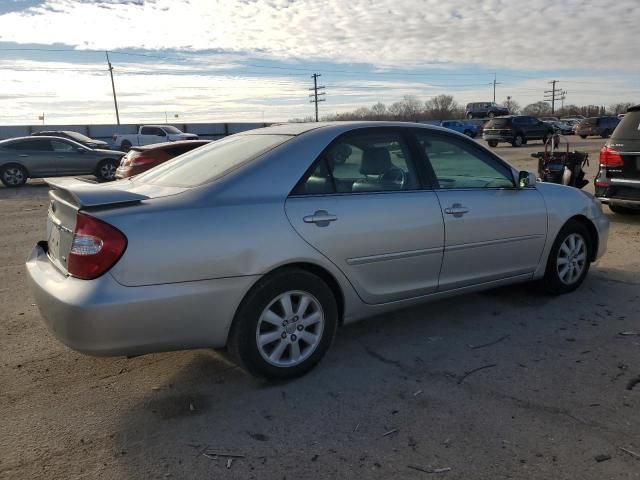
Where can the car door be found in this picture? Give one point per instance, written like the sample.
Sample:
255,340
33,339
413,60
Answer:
363,205
35,154
71,159
538,128
493,230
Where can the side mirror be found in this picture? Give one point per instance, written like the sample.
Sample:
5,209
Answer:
526,179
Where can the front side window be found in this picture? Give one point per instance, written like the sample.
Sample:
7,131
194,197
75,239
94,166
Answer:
32,145
360,163
459,165
60,146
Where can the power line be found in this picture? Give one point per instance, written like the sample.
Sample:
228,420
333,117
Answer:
315,93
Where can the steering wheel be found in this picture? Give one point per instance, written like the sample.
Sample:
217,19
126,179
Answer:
395,176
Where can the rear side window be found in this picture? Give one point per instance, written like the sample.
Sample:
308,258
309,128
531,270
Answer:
34,145
363,162
213,161
629,127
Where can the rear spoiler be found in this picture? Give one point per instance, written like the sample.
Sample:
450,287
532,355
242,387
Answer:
87,193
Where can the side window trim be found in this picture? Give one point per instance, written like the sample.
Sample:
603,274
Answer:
402,134
476,150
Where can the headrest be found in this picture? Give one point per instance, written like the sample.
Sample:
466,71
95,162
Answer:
375,161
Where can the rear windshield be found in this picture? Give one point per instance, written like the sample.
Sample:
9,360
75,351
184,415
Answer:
78,137
629,127
498,123
170,129
203,165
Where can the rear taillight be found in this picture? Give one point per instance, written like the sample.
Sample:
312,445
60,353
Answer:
141,160
96,247
610,157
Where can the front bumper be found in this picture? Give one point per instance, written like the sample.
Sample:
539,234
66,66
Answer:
103,317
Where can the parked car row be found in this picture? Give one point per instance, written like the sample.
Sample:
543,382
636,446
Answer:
40,156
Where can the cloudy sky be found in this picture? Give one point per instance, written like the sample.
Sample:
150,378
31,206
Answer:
251,60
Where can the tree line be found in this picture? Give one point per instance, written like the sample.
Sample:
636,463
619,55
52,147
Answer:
445,107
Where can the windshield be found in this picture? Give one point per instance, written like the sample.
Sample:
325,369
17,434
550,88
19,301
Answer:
498,123
213,161
170,129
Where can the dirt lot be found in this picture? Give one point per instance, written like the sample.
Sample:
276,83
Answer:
391,395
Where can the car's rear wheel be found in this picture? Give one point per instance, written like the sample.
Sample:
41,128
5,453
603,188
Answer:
125,146
468,133
491,115
492,143
284,326
622,210
569,259
518,141
469,115
107,170
583,136
606,133
13,175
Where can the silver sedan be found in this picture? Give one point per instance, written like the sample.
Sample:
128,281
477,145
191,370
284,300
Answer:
267,241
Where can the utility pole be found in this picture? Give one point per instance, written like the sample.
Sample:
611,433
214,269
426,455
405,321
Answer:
553,95
494,83
113,87
315,93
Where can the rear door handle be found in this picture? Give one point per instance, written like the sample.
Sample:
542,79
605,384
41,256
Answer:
321,218
457,210
23,155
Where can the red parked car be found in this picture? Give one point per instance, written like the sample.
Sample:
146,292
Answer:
141,159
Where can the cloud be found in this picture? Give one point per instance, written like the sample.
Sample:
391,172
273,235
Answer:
531,34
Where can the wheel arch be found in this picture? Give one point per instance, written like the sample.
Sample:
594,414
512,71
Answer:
319,271
17,164
593,234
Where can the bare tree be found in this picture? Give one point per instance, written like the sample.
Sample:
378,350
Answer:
618,108
442,107
538,108
512,105
378,111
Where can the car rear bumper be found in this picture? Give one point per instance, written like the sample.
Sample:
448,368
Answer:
126,172
103,317
497,137
621,192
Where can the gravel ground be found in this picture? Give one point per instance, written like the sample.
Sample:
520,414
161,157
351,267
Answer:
391,400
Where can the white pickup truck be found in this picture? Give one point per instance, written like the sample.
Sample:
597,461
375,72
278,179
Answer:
148,134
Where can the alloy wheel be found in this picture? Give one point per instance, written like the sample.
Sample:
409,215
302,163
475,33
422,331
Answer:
290,329
108,171
13,176
572,259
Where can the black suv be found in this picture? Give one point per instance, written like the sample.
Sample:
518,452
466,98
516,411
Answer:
618,179
516,130
484,110
600,126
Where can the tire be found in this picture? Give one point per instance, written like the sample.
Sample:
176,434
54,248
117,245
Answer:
260,314
492,143
622,210
469,115
518,140
558,279
606,133
125,146
583,137
491,114
468,133
13,175
106,170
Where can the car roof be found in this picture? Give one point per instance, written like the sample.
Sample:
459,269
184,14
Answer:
295,129
162,145
40,138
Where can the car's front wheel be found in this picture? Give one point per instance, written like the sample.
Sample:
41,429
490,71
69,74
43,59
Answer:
518,141
284,326
583,136
492,143
569,259
13,175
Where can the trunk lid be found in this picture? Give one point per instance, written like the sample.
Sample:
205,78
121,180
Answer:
626,140
68,196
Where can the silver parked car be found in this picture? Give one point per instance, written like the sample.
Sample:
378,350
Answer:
40,156
266,241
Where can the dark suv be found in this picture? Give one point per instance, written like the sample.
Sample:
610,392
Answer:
618,179
484,110
600,126
516,130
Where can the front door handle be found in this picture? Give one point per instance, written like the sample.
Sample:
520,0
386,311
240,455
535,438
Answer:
321,218
24,155
457,210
